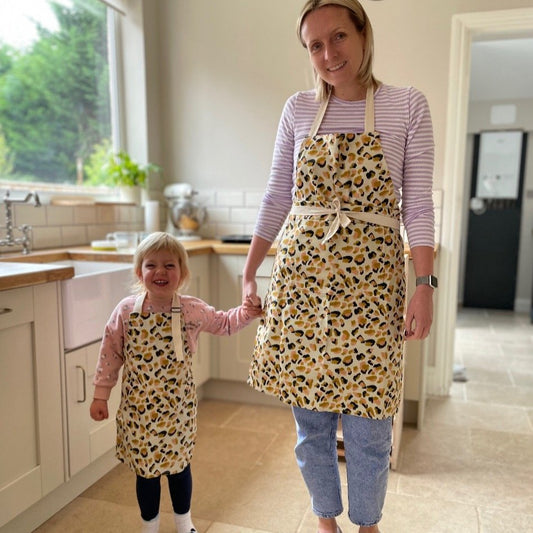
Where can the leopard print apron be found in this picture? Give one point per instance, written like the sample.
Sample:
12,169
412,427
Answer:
332,335
156,420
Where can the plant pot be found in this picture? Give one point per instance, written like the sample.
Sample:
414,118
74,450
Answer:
130,195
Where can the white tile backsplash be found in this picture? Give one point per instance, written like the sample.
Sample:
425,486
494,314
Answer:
244,215
228,212
74,235
229,199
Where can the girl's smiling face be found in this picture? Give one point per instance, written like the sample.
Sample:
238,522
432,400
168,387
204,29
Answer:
160,274
335,49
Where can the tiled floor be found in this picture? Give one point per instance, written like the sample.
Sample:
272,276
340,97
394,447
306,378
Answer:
470,470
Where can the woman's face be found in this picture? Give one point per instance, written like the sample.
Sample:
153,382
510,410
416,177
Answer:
335,49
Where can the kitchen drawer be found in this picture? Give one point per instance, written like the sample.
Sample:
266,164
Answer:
16,307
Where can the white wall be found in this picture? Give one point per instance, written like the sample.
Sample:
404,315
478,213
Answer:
226,69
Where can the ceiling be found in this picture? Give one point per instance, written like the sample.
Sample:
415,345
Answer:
501,70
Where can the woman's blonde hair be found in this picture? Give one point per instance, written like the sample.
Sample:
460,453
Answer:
362,25
155,242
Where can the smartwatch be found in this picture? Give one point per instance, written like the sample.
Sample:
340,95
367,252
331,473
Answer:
430,280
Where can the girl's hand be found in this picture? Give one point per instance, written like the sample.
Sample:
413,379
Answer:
252,306
99,410
419,314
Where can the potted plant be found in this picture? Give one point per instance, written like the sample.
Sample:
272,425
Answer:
128,175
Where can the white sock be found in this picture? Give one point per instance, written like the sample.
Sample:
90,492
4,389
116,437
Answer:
151,526
184,523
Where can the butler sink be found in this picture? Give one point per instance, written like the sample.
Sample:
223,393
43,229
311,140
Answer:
89,298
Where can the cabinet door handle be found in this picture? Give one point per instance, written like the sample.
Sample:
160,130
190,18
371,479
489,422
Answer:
84,386
5,310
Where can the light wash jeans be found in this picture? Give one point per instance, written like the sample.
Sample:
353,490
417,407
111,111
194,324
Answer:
367,445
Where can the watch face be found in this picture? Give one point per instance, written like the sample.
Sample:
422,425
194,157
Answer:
428,280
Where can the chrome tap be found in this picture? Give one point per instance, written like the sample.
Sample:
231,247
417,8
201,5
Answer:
25,240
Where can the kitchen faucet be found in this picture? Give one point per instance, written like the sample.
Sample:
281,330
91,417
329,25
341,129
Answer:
25,240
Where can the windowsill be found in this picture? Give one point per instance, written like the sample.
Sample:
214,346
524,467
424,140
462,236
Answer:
65,194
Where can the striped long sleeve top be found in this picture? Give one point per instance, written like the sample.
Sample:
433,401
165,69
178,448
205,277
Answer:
403,120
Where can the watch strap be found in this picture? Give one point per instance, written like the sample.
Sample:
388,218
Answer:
430,280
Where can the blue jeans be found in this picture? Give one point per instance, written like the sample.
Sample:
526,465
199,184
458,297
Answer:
367,445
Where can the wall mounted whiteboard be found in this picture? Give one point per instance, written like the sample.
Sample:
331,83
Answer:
498,174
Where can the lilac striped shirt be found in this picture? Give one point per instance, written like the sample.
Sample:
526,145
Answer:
403,120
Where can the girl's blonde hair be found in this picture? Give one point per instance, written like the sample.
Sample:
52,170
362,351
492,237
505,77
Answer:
155,242
362,25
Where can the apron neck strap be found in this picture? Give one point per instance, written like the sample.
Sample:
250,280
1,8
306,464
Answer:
138,306
369,112
319,116
369,109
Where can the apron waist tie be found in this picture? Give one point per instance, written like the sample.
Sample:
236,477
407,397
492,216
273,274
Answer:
343,217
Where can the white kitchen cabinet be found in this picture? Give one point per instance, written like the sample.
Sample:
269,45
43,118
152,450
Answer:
31,446
87,440
199,286
235,351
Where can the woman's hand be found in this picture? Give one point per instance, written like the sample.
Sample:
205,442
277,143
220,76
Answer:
419,314
249,293
99,410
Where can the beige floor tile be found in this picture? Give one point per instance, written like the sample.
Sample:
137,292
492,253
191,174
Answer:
85,515
479,359
473,482
263,419
500,394
408,514
218,527
503,447
476,415
216,413
117,486
255,498
439,439
497,521
231,446
485,375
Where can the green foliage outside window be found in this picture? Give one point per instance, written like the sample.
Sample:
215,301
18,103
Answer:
55,98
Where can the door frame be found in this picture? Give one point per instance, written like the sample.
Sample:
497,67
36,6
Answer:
465,29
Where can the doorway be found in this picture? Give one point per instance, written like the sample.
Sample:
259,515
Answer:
494,219
465,28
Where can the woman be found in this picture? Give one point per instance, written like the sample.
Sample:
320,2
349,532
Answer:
331,342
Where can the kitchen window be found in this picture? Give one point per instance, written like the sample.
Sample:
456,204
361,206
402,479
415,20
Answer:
58,94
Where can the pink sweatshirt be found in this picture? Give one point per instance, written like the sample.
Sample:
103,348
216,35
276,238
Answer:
198,317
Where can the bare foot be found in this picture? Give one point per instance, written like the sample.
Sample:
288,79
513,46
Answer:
327,525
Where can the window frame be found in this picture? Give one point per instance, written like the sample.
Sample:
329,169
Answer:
116,87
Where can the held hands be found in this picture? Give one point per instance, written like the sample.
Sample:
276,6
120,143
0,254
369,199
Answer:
99,410
252,306
250,301
419,314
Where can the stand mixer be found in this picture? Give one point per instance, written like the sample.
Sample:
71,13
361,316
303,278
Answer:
185,216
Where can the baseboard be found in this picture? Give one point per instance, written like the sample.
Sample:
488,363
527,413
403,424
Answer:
522,305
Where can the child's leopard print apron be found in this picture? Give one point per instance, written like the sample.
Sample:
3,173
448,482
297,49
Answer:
156,420
332,336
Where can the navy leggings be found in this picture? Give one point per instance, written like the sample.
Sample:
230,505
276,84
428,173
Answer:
149,493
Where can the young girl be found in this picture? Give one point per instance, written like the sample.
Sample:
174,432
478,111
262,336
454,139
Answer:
153,335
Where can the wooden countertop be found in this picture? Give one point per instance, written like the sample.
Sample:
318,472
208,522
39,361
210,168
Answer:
18,270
